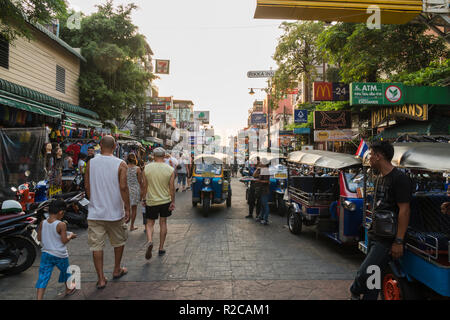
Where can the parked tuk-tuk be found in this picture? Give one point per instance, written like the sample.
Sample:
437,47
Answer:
323,191
424,269
211,181
278,179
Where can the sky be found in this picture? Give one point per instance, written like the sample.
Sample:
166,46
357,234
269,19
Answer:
211,46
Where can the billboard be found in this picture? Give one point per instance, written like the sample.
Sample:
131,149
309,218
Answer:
322,91
324,120
259,118
158,117
201,116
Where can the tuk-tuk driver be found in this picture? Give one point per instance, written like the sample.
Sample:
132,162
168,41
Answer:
393,192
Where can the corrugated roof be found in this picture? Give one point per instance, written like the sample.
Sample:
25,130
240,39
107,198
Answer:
58,40
24,92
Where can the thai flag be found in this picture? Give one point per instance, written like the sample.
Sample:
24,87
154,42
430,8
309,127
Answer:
362,149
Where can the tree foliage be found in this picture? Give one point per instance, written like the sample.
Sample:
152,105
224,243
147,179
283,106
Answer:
296,55
436,74
366,55
15,15
118,72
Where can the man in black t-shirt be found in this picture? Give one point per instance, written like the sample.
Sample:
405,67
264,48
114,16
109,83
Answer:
393,192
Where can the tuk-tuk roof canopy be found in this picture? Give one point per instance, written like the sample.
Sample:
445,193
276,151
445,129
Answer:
217,158
270,156
422,155
324,159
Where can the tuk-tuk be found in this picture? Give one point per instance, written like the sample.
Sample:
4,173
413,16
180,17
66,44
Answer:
278,179
211,181
424,269
322,190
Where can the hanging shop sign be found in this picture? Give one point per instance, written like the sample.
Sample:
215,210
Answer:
331,91
409,111
162,66
259,118
302,130
324,120
300,116
341,91
376,93
261,74
332,135
158,117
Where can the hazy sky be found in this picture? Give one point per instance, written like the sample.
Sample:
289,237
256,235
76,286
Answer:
211,45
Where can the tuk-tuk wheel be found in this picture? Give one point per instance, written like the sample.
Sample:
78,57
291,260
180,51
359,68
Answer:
229,200
394,288
294,222
206,206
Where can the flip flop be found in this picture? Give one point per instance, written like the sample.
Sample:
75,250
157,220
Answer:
123,272
148,253
103,286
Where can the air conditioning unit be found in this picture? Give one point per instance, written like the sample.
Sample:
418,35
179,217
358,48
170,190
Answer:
436,6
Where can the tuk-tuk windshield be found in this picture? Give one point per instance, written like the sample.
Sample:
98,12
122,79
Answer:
354,181
208,168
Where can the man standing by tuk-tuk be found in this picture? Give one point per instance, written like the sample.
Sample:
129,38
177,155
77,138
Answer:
392,193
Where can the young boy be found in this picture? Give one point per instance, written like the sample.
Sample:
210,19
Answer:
53,235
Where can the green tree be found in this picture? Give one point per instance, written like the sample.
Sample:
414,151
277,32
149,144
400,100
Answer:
366,55
15,15
436,74
118,71
296,56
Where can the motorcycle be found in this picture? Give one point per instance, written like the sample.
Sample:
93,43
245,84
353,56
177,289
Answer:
18,238
77,209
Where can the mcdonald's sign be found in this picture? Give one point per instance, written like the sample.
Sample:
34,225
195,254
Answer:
322,91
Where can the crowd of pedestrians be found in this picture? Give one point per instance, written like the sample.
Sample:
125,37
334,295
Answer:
114,188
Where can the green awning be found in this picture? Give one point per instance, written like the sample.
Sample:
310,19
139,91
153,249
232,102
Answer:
436,126
50,112
83,120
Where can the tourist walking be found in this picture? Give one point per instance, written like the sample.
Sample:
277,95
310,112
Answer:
109,207
135,185
182,173
159,189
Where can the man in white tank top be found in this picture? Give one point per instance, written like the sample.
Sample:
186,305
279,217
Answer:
109,207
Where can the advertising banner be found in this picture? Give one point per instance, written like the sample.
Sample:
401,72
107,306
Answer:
332,135
341,91
302,130
259,118
324,120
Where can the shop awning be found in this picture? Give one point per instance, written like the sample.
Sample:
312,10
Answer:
392,11
14,103
83,120
437,126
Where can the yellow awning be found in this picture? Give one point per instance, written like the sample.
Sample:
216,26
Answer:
392,11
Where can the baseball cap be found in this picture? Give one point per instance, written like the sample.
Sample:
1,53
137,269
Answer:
159,152
57,205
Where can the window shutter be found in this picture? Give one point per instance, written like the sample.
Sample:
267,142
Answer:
4,53
60,79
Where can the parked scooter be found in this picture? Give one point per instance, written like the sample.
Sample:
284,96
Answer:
18,238
77,209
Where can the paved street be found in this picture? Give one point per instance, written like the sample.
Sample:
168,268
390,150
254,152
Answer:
224,256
